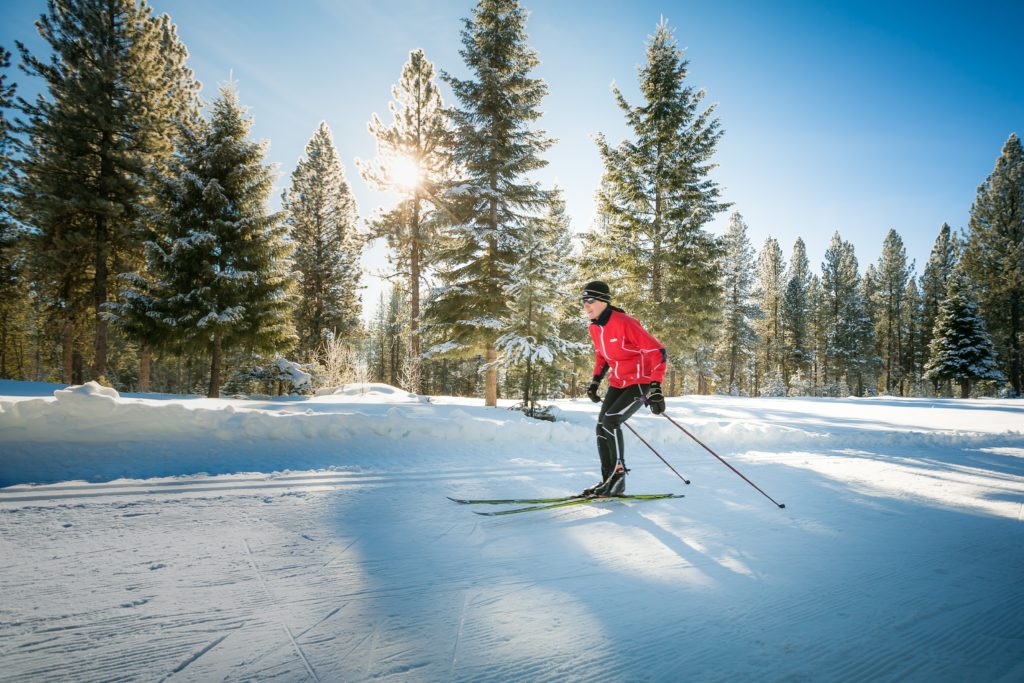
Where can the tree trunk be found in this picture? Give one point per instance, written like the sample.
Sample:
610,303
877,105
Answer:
414,300
491,377
965,388
145,357
68,350
215,362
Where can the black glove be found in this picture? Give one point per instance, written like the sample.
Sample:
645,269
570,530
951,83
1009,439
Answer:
656,399
592,390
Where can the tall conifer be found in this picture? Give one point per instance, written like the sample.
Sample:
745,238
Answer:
322,219
994,257
495,148
657,197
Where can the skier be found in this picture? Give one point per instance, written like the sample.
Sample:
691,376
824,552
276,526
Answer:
637,362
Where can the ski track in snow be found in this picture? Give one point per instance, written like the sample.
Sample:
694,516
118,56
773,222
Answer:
899,557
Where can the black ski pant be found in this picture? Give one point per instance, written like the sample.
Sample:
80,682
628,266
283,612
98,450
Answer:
618,406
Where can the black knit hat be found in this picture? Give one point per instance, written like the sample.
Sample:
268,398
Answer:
598,290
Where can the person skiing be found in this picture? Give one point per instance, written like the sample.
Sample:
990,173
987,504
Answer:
637,363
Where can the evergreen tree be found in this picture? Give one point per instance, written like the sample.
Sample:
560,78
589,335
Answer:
13,295
768,295
796,315
322,219
219,267
736,343
890,280
843,314
944,256
496,202
914,352
961,349
657,197
117,84
538,286
413,159
865,363
994,257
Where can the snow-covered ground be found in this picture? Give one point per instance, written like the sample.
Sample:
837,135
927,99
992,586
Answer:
177,538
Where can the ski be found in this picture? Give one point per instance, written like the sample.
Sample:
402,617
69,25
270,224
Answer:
539,501
579,501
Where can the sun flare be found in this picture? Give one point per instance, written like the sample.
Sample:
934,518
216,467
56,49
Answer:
405,172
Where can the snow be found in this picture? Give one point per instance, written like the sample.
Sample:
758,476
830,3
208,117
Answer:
147,537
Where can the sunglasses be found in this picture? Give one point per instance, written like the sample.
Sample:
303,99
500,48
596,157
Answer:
588,300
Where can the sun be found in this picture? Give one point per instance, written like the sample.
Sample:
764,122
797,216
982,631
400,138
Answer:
405,172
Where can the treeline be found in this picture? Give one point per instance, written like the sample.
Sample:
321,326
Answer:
137,247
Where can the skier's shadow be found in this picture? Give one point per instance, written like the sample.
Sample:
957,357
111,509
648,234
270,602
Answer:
630,519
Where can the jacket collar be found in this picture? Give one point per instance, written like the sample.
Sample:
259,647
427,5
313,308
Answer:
602,319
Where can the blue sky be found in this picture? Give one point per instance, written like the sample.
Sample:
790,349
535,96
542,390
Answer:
849,116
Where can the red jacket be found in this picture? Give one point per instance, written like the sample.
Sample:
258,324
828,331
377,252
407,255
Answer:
632,354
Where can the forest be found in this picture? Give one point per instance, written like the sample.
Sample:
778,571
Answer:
138,249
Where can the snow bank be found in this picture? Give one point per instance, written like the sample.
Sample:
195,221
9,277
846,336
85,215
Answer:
91,432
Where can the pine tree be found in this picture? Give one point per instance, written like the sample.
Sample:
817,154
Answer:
13,295
736,342
843,314
657,197
117,84
890,279
994,257
866,362
961,349
538,286
945,255
220,266
796,315
768,295
914,352
322,219
496,150
413,159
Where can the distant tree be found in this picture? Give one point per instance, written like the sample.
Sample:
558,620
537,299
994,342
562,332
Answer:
961,349
769,289
844,317
890,280
945,255
414,160
796,314
737,338
914,352
994,257
219,264
496,150
322,217
117,84
657,197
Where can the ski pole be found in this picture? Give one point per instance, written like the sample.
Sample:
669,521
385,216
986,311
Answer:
685,480
685,431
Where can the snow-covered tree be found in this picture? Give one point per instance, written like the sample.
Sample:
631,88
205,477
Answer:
945,254
657,197
538,286
914,352
844,317
994,257
413,160
322,220
116,86
219,265
796,314
737,337
496,202
890,282
769,288
961,349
